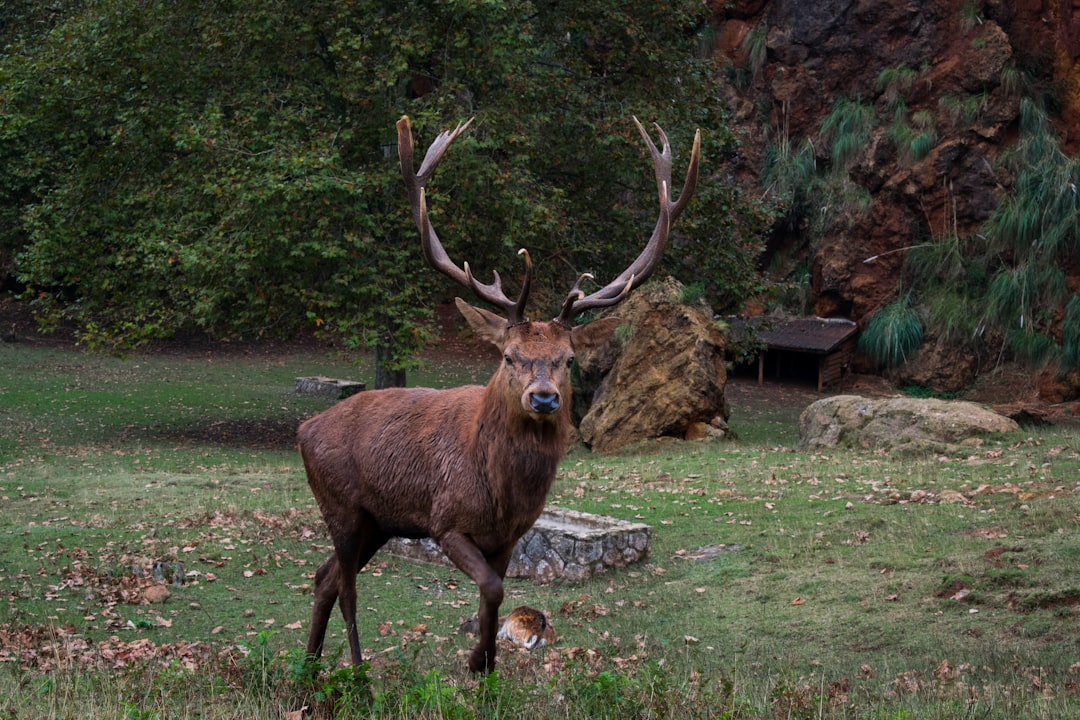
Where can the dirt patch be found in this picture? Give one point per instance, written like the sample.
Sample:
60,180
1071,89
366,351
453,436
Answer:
263,433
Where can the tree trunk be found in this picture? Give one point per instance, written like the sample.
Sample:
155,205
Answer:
386,376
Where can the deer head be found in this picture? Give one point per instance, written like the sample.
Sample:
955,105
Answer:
537,355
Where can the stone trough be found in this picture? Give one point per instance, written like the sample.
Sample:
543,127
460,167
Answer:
328,387
562,544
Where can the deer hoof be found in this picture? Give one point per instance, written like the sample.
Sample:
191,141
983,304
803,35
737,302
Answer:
481,661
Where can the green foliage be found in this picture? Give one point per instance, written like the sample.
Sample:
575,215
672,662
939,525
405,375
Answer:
894,81
606,694
346,689
790,173
917,391
416,694
922,144
963,109
1070,333
893,333
1008,281
952,284
913,138
756,48
820,196
912,135
1030,239
692,294
623,334
794,296
846,129
231,169
1014,81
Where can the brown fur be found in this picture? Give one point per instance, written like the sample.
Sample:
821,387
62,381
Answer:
527,627
470,467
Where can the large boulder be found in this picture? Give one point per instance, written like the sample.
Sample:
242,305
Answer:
662,373
900,424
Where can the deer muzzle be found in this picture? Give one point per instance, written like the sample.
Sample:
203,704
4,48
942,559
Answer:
544,403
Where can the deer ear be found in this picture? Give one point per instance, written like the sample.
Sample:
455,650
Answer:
591,335
484,323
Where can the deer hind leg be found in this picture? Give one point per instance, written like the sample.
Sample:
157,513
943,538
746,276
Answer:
488,576
326,594
336,581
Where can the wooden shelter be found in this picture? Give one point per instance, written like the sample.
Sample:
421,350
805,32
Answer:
800,346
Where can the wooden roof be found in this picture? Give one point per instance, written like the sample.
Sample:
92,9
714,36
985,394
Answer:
806,334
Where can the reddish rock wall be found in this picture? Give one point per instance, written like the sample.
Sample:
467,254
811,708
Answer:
821,50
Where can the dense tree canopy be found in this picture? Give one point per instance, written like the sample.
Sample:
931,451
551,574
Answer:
230,167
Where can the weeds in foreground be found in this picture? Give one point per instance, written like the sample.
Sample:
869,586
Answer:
585,687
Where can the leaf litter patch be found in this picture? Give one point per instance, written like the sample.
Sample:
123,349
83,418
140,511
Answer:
114,577
47,648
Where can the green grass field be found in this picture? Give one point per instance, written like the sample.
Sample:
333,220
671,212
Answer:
852,584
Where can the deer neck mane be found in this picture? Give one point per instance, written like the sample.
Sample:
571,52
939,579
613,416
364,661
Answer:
518,440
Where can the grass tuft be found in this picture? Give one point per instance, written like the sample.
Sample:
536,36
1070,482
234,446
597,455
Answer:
893,333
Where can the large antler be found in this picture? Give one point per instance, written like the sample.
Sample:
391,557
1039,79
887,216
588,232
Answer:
433,249
577,302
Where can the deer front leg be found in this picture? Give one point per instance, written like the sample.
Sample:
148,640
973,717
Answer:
488,576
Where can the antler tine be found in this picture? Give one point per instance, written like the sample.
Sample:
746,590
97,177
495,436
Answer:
649,259
434,253
526,285
575,294
662,166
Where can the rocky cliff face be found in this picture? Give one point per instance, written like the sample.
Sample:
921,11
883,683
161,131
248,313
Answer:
943,67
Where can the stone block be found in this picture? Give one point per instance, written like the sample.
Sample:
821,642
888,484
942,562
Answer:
562,544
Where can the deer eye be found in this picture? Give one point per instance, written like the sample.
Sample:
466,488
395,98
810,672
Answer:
509,362
570,361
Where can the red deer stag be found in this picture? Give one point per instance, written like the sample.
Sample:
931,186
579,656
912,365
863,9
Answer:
471,466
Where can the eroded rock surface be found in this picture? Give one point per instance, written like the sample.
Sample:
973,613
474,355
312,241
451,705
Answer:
664,376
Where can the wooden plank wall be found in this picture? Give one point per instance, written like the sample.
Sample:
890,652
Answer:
834,366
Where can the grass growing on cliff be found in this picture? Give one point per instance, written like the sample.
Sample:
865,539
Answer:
846,130
1008,281
821,196
846,584
893,333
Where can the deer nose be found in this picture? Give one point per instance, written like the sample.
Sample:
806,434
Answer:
544,402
